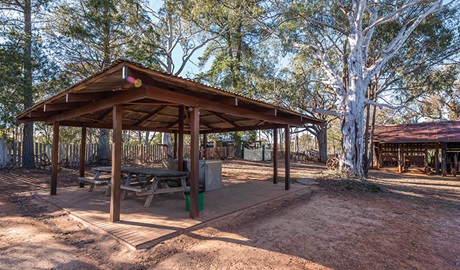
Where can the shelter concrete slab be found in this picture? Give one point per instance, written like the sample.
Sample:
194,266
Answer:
144,227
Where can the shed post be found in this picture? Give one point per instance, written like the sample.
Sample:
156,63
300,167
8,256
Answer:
399,158
275,156
194,160
287,158
205,144
175,145
180,153
403,157
379,157
116,164
82,153
436,158
454,170
54,158
444,158
426,158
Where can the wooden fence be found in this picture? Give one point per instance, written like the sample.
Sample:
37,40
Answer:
69,154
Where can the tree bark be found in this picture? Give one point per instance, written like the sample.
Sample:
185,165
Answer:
28,131
166,140
103,147
353,100
322,143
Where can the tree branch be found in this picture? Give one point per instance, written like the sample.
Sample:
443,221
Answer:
381,105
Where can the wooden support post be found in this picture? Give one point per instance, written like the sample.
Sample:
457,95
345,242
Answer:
116,164
379,157
454,170
205,146
54,158
427,167
82,154
399,159
436,158
275,156
180,153
194,161
287,158
403,157
444,158
175,145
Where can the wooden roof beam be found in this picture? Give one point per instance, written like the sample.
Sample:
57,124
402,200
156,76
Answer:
119,98
225,119
104,114
150,115
74,97
110,126
33,114
226,100
62,106
170,96
259,127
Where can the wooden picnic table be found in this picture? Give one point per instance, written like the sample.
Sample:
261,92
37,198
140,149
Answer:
146,181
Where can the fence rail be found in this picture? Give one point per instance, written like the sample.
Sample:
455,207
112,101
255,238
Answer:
69,154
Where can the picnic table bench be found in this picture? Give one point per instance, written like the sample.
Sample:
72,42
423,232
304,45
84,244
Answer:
147,181
96,180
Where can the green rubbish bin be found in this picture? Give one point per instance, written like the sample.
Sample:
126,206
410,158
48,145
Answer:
200,199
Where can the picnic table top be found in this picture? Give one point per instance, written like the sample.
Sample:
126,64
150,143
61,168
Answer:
146,171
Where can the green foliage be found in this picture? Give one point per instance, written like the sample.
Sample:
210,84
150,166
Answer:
45,74
87,35
239,60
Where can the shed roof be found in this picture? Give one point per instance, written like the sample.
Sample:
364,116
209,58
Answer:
448,131
151,101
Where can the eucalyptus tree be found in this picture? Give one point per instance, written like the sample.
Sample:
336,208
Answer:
340,35
423,67
173,37
238,61
89,34
302,88
24,68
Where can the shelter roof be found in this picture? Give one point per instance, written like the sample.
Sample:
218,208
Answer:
151,101
448,131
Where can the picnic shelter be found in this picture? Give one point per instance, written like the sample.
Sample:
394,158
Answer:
129,96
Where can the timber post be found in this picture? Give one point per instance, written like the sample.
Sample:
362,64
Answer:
205,146
275,156
54,158
287,158
116,163
454,170
180,152
175,145
436,157
426,159
444,158
82,154
194,161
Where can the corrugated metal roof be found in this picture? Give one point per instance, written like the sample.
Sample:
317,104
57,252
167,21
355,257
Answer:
448,131
149,112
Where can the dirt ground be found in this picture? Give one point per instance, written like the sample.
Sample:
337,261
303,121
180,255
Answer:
390,222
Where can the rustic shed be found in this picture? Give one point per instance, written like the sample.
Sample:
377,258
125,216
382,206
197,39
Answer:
128,96
418,145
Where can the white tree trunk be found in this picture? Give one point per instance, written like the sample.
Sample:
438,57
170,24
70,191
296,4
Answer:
353,119
359,75
166,139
